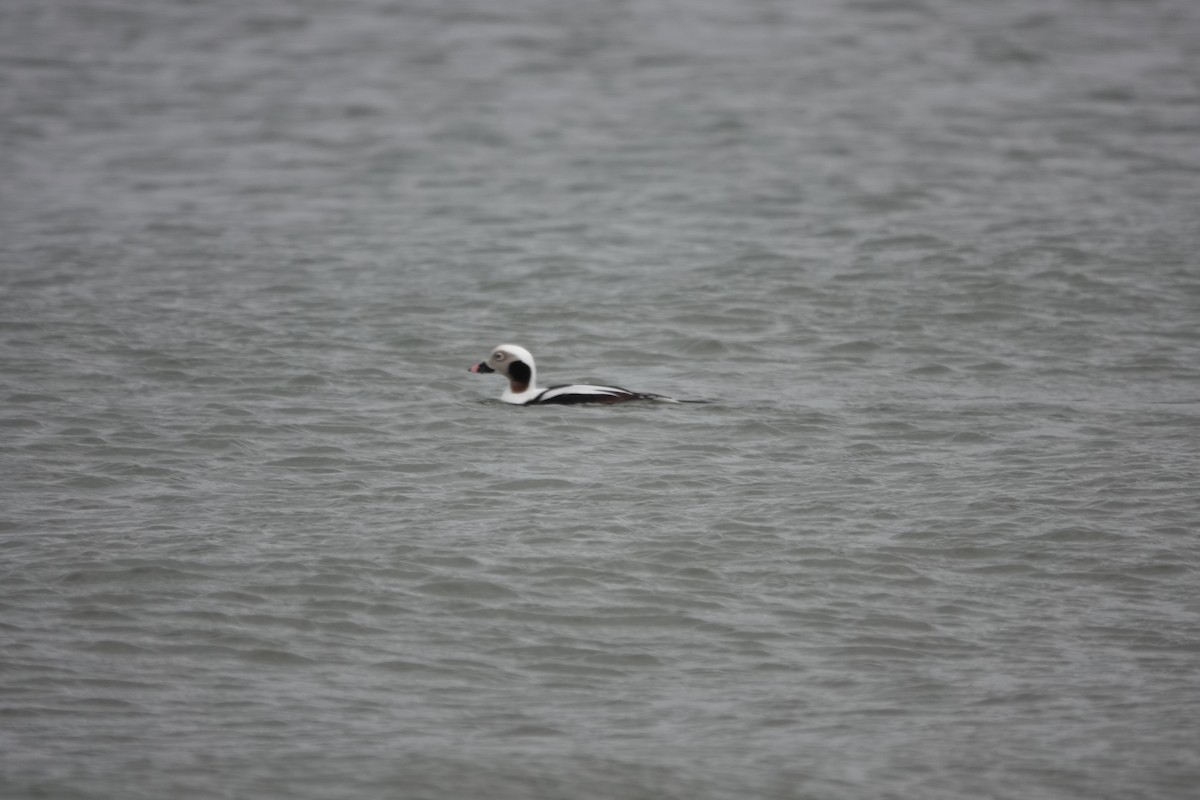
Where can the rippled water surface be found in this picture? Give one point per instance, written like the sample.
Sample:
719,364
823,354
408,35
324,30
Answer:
262,534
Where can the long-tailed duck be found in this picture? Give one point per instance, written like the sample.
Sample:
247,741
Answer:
516,364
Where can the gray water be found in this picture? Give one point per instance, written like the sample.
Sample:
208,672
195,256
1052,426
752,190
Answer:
935,263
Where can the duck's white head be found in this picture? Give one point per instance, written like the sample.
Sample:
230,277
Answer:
515,363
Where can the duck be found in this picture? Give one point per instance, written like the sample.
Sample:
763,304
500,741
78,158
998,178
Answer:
516,363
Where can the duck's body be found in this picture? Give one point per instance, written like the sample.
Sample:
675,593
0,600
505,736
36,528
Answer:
516,363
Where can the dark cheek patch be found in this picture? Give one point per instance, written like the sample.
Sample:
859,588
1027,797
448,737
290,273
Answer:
520,373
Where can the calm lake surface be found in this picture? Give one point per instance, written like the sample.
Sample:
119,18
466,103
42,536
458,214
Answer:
934,263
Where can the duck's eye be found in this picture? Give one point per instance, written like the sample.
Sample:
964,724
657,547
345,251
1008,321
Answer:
498,357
